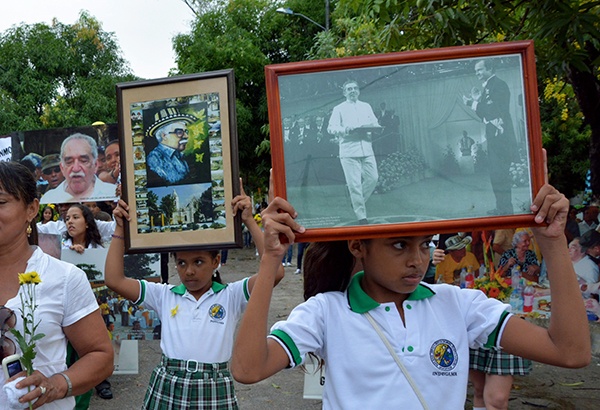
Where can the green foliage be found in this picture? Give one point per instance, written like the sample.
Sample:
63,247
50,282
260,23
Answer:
167,207
59,75
246,35
565,136
90,271
228,35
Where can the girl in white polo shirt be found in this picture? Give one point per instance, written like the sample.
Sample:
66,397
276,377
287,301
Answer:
429,328
198,319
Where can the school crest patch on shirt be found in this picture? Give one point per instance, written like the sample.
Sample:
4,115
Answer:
443,355
217,312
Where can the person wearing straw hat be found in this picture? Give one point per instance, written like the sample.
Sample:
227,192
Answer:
449,269
166,164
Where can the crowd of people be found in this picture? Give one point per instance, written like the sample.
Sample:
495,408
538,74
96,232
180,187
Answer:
369,291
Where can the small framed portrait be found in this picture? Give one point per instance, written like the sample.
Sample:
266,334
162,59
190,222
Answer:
180,162
408,143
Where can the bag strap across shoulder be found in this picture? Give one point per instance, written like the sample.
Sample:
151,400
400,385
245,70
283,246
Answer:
397,359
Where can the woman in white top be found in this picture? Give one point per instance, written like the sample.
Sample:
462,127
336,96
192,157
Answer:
82,232
67,309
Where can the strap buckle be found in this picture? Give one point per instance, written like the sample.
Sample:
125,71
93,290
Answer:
188,367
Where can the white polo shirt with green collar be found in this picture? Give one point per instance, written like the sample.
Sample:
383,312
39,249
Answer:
441,323
202,329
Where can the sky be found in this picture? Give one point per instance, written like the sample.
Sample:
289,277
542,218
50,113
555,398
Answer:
143,28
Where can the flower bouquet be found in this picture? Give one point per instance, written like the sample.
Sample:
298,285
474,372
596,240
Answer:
27,340
492,283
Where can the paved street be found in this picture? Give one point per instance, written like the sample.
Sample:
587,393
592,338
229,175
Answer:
546,387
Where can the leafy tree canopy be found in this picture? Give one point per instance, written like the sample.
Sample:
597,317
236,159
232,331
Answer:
567,41
59,75
246,35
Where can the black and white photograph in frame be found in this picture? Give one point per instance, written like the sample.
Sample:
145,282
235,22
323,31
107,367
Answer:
425,141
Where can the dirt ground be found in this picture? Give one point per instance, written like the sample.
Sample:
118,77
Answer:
546,387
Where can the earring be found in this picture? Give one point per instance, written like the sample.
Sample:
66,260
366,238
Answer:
215,273
28,230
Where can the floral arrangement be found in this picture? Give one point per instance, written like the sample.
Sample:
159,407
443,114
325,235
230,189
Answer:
494,286
519,174
397,166
27,340
492,283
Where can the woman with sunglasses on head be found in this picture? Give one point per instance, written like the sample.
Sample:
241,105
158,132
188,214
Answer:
67,310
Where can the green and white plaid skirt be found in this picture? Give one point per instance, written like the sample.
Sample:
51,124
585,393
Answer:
492,361
187,384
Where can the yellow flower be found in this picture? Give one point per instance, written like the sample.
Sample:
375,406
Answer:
29,278
174,311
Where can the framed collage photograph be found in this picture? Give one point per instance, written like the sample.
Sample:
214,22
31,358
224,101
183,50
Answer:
180,156
407,143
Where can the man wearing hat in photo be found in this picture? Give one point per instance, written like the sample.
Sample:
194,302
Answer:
166,163
448,271
51,171
78,157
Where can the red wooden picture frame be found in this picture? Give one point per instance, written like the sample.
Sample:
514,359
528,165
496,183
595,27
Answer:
463,152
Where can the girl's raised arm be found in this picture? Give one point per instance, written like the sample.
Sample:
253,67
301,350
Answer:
566,342
242,203
114,274
254,356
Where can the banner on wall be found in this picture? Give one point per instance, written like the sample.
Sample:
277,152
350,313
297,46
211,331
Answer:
5,148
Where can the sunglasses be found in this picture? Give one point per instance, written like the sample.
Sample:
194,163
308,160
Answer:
180,132
49,171
8,320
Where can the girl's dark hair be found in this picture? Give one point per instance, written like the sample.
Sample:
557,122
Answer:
327,267
41,215
104,206
92,234
213,253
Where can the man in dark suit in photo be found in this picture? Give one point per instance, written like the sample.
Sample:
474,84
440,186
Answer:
492,105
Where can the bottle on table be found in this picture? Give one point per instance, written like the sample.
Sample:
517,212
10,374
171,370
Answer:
516,301
528,293
469,278
463,278
515,277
